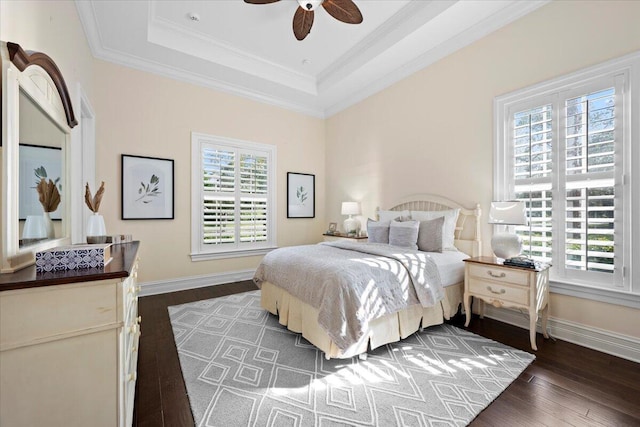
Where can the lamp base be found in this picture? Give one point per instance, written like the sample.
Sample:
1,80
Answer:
506,245
351,226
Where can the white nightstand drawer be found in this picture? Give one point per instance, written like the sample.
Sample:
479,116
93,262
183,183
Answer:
499,291
499,274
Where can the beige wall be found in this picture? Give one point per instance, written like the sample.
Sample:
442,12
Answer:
143,114
433,131
52,27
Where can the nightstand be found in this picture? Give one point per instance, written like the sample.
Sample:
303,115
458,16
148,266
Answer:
488,280
334,237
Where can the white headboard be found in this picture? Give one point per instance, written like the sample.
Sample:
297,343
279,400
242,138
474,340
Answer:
467,234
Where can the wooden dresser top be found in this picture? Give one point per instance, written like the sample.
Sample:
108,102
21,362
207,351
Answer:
123,258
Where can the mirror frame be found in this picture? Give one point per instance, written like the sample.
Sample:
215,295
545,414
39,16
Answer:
37,75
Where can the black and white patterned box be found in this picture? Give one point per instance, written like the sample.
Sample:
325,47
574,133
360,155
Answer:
74,257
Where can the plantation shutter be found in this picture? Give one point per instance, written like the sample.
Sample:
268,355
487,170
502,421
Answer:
564,152
218,187
235,197
532,136
589,181
253,198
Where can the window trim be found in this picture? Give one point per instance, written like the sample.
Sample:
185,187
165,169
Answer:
197,141
629,65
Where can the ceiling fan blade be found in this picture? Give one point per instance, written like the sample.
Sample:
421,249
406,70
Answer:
343,10
302,22
260,1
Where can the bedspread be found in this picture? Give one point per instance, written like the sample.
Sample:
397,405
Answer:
351,284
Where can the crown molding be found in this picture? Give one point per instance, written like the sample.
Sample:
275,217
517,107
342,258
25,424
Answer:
325,104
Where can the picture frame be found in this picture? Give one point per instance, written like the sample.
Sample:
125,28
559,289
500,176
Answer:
147,187
333,228
301,195
37,161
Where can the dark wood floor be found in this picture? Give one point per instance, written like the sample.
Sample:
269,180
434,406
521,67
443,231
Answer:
567,385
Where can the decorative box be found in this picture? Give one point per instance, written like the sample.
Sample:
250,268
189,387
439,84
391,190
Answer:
73,257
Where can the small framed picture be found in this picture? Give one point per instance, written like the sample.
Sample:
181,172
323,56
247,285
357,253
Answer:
333,227
147,187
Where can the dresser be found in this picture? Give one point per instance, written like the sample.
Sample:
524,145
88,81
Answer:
490,281
69,344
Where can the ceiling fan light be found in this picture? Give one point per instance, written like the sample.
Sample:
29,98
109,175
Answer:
309,4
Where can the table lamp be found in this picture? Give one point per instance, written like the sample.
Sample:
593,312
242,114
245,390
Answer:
351,225
507,245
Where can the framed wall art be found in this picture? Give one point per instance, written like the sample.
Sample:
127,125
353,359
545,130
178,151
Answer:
301,195
147,188
37,162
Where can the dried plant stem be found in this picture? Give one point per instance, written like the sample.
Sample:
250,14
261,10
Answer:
93,203
48,195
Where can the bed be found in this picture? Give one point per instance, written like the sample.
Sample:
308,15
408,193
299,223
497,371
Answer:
305,315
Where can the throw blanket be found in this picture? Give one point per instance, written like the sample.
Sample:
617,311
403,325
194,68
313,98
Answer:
351,284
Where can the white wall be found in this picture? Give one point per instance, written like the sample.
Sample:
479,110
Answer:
432,132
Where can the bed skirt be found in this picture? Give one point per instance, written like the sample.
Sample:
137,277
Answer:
301,318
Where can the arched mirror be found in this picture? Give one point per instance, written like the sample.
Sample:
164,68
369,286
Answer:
37,118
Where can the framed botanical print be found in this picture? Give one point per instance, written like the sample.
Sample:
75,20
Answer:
147,188
301,196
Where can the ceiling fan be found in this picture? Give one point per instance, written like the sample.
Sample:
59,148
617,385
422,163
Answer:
342,10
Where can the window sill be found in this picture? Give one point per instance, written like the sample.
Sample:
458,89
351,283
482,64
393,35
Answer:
610,296
205,256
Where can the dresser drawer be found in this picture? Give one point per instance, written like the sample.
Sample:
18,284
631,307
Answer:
40,314
499,274
499,291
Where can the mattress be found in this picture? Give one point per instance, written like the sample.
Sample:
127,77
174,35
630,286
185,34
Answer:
450,266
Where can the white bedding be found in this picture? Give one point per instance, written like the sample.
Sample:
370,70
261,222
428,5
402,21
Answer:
450,266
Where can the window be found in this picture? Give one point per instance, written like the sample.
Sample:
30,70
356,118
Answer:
565,148
233,188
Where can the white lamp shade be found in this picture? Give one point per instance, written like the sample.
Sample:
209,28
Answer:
508,213
34,227
350,208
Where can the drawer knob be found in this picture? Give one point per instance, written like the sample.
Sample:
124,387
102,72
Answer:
132,377
499,276
500,292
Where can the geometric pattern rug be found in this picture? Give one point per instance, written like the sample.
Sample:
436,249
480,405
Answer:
242,368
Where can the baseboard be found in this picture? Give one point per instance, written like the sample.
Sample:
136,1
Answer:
192,282
608,342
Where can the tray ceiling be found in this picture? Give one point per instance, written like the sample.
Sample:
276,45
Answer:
250,50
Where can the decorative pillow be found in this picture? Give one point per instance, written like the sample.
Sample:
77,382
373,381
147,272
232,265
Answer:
430,235
404,234
378,231
391,215
449,227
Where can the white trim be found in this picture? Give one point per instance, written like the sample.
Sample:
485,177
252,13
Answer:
83,165
200,253
205,256
611,296
193,282
619,345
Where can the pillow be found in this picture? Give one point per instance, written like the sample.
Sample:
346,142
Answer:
391,215
449,227
404,234
378,231
430,235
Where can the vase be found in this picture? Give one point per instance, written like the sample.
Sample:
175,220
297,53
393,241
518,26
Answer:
48,226
96,230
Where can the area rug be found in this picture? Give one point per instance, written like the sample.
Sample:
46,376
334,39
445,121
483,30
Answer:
242,368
